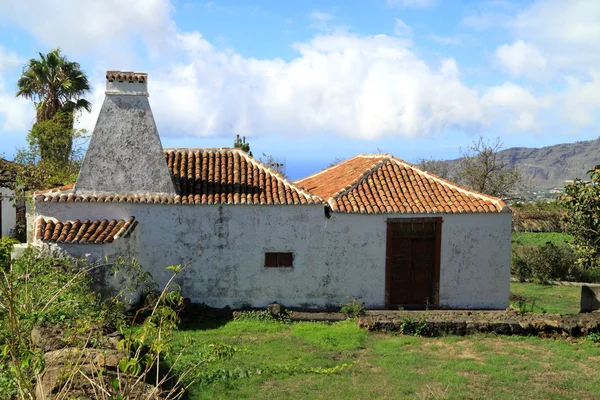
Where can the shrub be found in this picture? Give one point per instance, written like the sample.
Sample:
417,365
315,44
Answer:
411,326
594,337
6,247
581,202
51,289
545,263
352,308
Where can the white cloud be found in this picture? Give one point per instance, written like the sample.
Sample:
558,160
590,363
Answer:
339,83
568,33
9,59
15,113
557,41
320,16
352,86
516,106
581,102
410,3
78,26
522,59
401,29
324,22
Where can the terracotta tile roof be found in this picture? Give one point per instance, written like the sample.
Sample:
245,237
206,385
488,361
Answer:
129,76
381,183
86,232
207,176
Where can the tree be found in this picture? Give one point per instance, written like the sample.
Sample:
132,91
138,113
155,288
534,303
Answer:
481,169
51,158
437,167
274,163
56,86
581,202
336,161
242,144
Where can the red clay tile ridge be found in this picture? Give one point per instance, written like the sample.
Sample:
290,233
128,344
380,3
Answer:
381,183
50,230
230,176
126,76
204,176
126,83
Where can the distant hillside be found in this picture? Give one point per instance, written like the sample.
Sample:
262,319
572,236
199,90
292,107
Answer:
551,166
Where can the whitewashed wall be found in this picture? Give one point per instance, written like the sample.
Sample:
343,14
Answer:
333,258
474,262
9,212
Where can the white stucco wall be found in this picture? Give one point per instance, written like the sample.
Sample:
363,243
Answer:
333,258
474,259
9,212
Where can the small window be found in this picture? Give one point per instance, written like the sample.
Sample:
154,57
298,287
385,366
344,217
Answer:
279,260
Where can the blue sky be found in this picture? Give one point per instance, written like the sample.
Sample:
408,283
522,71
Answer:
310,81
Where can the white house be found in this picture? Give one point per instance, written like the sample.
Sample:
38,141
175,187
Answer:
372,227
8,209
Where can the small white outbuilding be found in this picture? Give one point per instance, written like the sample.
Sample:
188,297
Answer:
372,227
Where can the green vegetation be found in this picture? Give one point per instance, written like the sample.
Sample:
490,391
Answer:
43,292
581,203
541,238
479,168
540,216
546,263
352,308
546,256
548,298
273,360
258,356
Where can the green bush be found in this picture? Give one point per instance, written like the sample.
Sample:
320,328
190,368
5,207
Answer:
546,263
352,308
44,288
6,246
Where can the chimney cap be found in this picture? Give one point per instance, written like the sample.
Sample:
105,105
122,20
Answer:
126,83
126,76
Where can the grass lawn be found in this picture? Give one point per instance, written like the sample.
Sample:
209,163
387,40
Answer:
540,238
274,360
552,299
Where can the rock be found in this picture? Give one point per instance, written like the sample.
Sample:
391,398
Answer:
98,357
48,338
274,309
77,367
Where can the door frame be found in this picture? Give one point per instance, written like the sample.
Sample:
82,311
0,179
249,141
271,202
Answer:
436,256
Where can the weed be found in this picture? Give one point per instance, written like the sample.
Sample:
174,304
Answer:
412,326
352,308
594,337
43,288
550,298
522,304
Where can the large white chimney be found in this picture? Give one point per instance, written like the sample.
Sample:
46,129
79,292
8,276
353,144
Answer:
125,154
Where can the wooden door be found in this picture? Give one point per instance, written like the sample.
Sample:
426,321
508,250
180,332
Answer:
412,255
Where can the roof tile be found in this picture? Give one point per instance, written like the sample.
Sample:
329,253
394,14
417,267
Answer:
381,183
76,232
206,176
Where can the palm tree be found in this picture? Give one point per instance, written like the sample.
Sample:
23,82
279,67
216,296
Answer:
56,86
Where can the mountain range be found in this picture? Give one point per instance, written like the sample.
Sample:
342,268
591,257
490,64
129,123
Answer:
551,166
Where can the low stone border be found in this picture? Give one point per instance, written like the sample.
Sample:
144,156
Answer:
470,322
559,283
